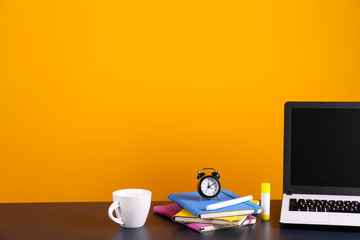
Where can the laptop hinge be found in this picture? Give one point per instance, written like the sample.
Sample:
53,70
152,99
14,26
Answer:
288,193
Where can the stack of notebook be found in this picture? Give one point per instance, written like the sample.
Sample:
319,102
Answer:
187,209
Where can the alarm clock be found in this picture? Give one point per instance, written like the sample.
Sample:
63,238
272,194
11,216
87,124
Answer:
209,185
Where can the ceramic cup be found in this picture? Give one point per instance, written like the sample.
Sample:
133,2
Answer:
131,207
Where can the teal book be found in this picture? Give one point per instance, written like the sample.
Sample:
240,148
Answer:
191,202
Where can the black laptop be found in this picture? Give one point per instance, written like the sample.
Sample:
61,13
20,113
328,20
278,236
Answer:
321,163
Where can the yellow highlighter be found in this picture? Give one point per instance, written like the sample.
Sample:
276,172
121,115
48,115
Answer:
265,201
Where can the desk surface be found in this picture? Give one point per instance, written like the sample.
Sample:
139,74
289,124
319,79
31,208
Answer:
90,221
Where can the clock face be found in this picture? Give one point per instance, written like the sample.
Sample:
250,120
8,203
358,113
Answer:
209,187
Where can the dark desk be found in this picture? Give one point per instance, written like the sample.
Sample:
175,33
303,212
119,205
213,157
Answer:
68,221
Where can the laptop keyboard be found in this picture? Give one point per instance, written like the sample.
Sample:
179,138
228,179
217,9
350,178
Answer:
316,205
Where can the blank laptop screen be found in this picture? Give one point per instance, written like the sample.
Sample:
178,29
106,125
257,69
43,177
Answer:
325,147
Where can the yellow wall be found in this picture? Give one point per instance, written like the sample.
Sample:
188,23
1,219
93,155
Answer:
102,95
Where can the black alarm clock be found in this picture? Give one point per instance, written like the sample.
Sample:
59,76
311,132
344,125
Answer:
209,185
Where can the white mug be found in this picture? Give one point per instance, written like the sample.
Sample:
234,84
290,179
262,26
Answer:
131,207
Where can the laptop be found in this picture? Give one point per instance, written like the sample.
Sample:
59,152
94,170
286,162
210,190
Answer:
321,164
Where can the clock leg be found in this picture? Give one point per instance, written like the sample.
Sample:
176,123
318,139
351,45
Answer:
219,198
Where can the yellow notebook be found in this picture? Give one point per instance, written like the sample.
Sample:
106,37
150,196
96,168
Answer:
187,217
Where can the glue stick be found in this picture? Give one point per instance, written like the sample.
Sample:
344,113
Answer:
265,201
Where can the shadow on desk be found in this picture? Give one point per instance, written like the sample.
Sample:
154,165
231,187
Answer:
179,234
294,227
132,233
301,232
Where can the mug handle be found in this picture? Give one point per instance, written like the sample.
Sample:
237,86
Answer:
112,207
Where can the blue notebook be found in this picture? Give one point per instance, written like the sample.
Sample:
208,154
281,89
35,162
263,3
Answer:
191,202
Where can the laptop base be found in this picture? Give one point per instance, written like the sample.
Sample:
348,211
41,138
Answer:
318,218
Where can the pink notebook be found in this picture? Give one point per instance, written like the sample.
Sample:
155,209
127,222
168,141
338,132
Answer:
171,209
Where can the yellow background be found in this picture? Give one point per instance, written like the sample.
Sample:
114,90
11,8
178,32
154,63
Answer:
103,95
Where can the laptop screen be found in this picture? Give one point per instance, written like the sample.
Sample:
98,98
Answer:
325,147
